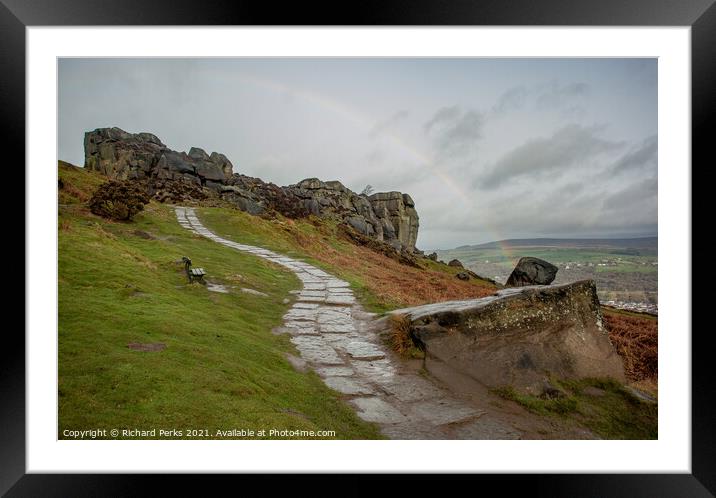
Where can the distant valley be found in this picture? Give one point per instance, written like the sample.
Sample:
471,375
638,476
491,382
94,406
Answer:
625,270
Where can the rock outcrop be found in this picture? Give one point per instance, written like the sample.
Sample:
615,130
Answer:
532,271
519,337
126,156
388,217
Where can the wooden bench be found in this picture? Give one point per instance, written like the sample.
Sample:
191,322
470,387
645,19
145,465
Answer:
193,273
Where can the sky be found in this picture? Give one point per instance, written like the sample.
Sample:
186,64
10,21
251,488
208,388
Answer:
489,149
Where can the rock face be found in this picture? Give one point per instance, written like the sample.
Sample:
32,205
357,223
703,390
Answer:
397,211
388,217
519,337
532,271
123,156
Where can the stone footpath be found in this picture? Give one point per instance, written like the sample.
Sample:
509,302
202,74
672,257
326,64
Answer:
333,334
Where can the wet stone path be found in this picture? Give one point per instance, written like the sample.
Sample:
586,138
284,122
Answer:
334,337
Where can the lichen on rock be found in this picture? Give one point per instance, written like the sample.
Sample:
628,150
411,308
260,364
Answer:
519,337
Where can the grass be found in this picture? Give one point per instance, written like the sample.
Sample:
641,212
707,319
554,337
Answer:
222,368
612,413
399,338
380,283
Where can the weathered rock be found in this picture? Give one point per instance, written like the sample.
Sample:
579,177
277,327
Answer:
388,217
463,276
520,336
121,155
456,263
433,256
532,271
399,209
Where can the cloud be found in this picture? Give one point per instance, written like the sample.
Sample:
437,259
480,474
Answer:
634,197
645,154
555,95
455,130
388,123
550,96
513,99
567,147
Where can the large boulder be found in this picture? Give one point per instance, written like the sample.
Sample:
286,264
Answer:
121,155
532,271
519,337
399,209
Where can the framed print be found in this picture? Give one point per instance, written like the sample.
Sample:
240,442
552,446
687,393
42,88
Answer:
269,244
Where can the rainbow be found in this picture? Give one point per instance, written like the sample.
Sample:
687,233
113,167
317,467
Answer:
363,121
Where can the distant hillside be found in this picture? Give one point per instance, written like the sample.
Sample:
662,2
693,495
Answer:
625,270
636,243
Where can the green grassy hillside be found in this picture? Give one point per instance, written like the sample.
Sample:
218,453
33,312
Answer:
380,283
222,369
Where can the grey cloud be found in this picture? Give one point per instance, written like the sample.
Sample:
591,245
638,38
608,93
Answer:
567,147
556,95
543,97
511,100
455,130
634,196
642,155
443,114
575,112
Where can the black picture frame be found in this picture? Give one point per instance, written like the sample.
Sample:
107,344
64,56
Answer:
700,15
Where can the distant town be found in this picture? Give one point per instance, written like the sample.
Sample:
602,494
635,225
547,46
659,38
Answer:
624,270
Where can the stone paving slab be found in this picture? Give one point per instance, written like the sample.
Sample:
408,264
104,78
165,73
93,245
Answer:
312,293
373,409
362,350
335,328
306,306
301,314
408,388
315,286
335,283
444,411
381,371
316,350
347,385
335,371
340,299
